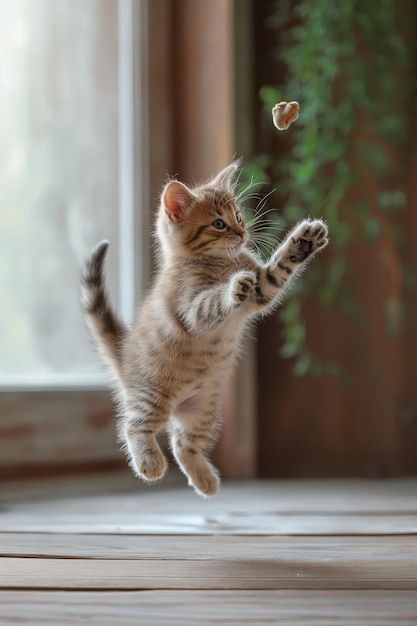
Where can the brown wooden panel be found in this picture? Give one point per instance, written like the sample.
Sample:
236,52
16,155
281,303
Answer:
52,428
320,427
202,83
203,87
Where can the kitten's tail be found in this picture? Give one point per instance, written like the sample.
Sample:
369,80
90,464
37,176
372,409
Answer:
106,329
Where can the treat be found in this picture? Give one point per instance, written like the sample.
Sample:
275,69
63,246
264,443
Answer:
284,114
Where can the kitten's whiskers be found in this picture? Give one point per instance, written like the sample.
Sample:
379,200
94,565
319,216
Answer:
232,252
244,194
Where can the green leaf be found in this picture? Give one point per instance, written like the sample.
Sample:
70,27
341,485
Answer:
269,96
341,234
290,312
302,364
392,201
336,270
394,313
288,350
372,228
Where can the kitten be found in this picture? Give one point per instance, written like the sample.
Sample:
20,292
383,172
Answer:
170,368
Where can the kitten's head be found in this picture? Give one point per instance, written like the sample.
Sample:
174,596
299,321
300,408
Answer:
204,220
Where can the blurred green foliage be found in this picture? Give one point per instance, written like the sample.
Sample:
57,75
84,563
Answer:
347,63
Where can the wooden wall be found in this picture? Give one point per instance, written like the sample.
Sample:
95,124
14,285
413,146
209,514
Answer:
319,427
203,40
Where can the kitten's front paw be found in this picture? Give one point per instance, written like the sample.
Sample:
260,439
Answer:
306,239
242,286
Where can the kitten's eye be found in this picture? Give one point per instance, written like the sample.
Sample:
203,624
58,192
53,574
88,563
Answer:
238,217
219,224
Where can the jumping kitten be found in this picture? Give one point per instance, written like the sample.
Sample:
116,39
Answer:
170,368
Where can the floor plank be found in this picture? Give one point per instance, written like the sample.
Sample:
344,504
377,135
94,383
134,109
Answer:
216,573
264,548
207,608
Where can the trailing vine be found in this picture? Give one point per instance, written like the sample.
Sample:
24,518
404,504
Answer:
346,62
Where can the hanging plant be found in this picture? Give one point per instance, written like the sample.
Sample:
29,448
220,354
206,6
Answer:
346,63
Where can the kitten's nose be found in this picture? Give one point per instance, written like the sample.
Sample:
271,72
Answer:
236,237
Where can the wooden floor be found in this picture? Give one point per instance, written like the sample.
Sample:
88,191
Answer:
108,551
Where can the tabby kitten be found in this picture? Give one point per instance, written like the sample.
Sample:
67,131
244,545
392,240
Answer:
170,368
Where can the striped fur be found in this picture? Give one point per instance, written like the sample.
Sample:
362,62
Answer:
105,327
170,368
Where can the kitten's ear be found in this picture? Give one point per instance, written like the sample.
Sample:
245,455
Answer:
226,179
178,201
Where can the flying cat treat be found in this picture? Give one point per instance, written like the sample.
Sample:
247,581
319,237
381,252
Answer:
284,114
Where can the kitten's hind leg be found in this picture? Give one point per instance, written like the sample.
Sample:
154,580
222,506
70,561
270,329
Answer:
191,438
143,418
188,449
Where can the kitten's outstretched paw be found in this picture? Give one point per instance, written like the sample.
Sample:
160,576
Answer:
242,286
306,239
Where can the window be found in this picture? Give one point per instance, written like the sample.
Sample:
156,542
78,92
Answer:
72,96
66,181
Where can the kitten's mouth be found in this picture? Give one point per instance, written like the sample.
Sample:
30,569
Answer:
235,241
234,248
